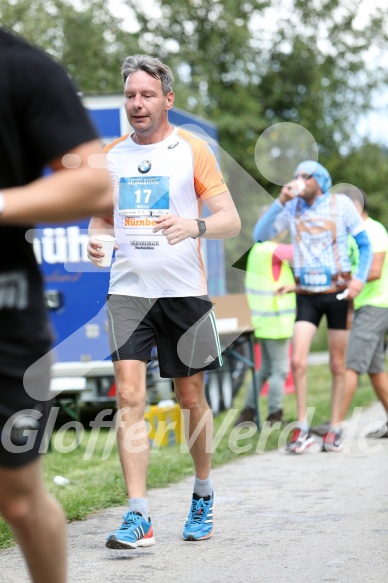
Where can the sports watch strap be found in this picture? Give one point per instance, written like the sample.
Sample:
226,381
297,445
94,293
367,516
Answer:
201,228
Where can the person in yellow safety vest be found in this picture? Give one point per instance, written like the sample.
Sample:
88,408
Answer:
273,318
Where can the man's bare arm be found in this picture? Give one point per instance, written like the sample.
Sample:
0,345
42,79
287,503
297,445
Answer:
67,194
224,221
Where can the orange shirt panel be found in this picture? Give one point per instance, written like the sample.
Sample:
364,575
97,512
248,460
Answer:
208,179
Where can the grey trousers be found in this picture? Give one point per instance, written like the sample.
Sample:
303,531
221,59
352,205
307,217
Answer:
274,369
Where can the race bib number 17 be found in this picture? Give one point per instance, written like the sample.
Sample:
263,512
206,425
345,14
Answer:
140,196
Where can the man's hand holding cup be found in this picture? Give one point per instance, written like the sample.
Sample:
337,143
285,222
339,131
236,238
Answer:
291,190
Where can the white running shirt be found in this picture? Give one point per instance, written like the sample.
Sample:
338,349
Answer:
173,176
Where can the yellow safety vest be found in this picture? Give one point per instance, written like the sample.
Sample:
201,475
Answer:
272,316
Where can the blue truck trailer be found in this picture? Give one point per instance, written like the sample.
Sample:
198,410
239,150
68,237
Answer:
75,290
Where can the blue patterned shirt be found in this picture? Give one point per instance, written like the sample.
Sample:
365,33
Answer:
319,232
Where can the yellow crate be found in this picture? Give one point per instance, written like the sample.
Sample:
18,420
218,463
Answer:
166,424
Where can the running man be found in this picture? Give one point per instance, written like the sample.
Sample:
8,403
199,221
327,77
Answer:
158,292
319,223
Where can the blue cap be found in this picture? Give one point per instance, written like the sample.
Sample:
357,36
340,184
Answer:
318,172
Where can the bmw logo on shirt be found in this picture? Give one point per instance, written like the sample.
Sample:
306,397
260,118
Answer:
144,166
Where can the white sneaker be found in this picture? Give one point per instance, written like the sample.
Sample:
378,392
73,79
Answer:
300,441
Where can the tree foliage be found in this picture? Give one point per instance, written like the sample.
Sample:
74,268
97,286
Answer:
310,69
85,37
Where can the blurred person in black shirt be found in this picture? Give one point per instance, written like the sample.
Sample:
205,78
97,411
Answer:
42,124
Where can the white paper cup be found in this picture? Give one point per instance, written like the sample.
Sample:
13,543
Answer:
299,186
343,295
108,243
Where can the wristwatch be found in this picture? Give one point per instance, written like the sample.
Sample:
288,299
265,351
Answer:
2,202
201,228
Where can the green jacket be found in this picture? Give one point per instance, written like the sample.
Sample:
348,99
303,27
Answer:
273,316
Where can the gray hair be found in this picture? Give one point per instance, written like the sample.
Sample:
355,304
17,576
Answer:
150,65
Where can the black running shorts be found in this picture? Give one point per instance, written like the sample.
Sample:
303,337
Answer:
23,417
183,329
311,308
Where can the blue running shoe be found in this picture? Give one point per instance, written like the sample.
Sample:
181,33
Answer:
199,525
135,532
